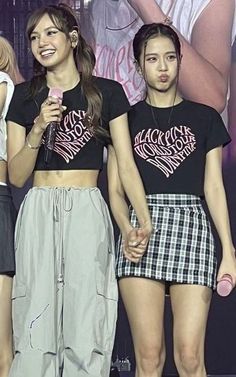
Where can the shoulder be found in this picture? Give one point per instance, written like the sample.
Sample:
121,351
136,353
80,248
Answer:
205,118
23,86
138,111
139,106
107,85
21,91
200,108
4,77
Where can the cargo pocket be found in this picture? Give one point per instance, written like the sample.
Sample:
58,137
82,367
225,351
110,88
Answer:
20,304
31,331
106,312
42,329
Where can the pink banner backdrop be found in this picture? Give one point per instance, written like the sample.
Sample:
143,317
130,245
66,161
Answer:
208,31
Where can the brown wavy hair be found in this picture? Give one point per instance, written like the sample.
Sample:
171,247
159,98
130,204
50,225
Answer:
64,18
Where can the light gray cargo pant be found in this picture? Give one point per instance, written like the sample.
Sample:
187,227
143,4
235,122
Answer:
65,291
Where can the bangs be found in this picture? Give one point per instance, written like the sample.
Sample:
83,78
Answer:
55,16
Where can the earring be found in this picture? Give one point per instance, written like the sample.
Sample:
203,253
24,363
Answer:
139,70
74,40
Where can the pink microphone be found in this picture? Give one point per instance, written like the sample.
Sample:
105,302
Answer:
50,133
225,285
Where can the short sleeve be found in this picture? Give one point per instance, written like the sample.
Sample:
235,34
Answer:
217,132
118,102
16,108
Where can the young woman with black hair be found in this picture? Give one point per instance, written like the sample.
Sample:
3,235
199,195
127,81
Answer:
177,147
64,292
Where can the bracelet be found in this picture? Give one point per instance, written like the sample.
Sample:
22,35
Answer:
27,143
167,21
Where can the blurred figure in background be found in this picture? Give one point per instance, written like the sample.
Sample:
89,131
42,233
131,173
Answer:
9,75
115,23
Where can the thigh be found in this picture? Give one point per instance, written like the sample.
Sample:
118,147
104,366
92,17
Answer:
5,312
190,306
144,302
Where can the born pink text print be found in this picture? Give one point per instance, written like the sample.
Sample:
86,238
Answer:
165,150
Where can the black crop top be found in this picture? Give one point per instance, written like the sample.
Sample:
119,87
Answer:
170,147
75,148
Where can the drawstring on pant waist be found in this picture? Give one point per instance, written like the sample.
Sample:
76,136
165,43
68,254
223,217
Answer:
62,202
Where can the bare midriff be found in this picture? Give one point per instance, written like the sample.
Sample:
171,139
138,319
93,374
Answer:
3,171
66,178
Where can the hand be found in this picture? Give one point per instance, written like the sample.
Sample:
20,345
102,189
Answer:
135,243
228,266
51,111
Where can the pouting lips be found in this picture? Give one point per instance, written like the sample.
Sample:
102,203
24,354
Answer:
163,78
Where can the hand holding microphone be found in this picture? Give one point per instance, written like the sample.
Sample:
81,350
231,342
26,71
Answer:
50,132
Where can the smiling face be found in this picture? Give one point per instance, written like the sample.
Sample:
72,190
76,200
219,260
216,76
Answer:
50,46
159,64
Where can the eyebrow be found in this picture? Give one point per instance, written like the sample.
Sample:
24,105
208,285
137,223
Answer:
154,53
46,29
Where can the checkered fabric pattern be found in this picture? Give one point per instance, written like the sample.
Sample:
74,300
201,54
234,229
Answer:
181,248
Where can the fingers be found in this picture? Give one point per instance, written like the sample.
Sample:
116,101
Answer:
137,237
135,243
51,100
51,111
134,253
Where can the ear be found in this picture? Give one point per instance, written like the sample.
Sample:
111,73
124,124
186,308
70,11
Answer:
138,68
74,38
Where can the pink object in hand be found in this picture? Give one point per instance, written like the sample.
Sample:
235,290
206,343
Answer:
225,285
56,93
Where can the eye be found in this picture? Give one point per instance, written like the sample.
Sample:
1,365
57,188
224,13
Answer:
151,59
171,57
32,38
52,32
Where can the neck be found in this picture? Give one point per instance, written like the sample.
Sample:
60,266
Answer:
59,78
163,99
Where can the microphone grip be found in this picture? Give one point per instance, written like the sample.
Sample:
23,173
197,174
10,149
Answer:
225,285
50,135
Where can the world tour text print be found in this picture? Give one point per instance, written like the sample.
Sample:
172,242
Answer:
165,150
72,135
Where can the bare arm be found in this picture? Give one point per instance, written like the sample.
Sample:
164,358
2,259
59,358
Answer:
206,61
128,171
3,95
116,194
216,201
22,158
131,236
232,106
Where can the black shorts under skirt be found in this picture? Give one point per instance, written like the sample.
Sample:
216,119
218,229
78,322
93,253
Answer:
181,248
7,224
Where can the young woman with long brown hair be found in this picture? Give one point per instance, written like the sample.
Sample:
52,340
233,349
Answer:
65,293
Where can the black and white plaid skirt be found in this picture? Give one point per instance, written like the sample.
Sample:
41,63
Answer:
181,248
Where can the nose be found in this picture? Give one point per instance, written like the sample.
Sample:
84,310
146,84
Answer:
162,66
42,40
